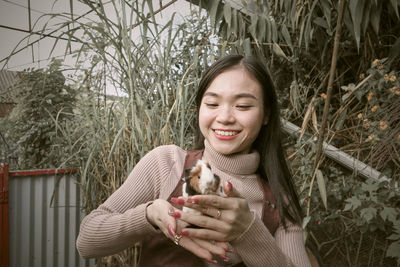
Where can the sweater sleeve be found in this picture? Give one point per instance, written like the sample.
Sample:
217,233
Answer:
257,247
121,220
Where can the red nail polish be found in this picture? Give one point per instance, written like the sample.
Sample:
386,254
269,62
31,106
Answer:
226,259
211,261
229,250
171,230
176,214
193,201
177,201
229,185
185,233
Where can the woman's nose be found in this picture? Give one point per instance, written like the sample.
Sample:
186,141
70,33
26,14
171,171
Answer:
225,115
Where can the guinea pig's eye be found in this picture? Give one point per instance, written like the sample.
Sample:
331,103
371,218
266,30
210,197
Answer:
198,177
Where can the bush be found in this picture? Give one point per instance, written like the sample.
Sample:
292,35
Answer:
44,102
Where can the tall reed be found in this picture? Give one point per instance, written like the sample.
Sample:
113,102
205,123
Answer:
157,67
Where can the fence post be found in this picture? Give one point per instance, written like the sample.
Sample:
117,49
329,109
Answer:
4,226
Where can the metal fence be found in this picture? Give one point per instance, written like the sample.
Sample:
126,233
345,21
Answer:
44,219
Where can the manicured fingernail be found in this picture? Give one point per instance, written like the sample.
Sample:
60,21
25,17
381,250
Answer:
229,250
171,230
229,185
185,233
175,214
226,259
193,201
176,200
211,261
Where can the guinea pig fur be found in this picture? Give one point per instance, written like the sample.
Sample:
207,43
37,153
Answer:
200,180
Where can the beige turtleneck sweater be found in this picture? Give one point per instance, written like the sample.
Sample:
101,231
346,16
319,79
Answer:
121,220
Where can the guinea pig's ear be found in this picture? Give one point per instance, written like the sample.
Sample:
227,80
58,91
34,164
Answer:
195,171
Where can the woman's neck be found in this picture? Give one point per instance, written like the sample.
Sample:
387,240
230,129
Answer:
239,164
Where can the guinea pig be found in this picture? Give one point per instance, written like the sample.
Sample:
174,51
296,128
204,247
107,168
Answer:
200,180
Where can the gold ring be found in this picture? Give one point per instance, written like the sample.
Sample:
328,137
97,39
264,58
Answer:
177,238
218,214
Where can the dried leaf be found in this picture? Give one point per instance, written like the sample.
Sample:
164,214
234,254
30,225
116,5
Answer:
306,220
253,26
247,46
213,12
286,36
228,14
278,50
307,117
314,121
356,10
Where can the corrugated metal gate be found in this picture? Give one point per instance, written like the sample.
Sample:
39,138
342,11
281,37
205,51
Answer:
44,217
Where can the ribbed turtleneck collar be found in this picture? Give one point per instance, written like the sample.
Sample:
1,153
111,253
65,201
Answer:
239,164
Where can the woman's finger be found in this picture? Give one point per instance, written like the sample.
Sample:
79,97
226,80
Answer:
206,234
230,191
203,249
210,246
215,201
210,211
202,221
200,249
189,244
209,200
224,245
158,215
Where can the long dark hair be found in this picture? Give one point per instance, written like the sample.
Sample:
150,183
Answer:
273,166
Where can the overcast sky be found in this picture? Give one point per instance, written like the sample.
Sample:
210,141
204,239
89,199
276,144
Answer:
14,13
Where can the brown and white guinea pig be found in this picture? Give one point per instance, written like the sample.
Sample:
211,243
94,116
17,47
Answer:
200,180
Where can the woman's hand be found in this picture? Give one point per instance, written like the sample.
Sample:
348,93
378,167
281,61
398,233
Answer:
161,214
228,217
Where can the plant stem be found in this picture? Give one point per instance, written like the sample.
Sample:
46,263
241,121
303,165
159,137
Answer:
330,81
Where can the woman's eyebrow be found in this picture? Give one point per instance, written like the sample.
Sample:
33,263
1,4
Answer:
210,94
245,95
241,95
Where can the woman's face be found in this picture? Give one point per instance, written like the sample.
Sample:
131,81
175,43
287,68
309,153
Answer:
232,112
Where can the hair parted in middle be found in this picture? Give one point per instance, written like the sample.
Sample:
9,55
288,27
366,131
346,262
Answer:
273,166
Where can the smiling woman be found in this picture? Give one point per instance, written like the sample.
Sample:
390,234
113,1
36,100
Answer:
231,111
256,222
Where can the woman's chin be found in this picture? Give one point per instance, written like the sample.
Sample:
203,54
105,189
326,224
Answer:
226,149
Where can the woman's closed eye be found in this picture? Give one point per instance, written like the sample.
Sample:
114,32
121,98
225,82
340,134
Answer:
243,107
211,105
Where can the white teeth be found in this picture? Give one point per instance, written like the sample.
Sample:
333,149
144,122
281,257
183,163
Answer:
226,133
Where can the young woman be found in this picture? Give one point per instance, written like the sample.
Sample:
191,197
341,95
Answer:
258,224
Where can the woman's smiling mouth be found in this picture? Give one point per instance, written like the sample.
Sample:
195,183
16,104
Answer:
225,134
